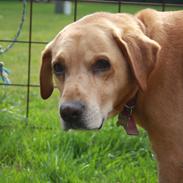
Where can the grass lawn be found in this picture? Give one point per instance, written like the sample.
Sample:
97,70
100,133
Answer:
41,151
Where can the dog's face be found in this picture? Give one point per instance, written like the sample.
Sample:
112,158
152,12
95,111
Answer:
96,68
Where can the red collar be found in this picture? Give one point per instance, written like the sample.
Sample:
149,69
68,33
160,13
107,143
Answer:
126,118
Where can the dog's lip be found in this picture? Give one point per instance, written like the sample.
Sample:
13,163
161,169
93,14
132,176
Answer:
73,127
101,125
68,128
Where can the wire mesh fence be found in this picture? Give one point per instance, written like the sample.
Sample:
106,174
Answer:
30,5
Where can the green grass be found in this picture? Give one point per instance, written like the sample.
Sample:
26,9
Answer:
41,151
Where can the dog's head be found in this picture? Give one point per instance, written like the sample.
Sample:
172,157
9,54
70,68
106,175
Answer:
98,63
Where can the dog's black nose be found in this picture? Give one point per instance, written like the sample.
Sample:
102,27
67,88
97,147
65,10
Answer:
71,113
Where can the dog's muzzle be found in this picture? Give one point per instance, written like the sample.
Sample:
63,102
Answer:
72,115
78,115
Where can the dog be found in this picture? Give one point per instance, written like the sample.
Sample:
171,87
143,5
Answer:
105,61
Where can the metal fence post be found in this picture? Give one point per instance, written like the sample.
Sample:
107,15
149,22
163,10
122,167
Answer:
75,9
29,60
163,5
119,6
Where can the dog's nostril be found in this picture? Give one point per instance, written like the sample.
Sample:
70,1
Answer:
72,111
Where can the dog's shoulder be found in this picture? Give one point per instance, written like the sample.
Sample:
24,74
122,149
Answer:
146,13
153,23
162,25
150,17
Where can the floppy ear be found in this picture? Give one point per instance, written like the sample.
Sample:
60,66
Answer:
46,82
141,53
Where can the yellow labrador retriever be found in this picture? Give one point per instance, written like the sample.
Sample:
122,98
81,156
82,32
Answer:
105,61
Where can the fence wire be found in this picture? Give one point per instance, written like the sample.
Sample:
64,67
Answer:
4,50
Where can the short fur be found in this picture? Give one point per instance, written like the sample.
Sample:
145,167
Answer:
146,56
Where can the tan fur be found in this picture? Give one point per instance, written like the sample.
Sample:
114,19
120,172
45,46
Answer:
161,107
146,56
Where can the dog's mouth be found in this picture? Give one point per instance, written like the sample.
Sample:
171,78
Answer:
75,126
81,126
101,124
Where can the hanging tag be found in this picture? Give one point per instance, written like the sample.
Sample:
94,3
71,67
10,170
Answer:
131,127
128,124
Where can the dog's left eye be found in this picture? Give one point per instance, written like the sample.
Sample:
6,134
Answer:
101,65
58,69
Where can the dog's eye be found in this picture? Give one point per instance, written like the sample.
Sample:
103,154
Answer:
101,65
59,69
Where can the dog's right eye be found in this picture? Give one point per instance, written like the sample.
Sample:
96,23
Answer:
101,65
59,69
